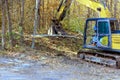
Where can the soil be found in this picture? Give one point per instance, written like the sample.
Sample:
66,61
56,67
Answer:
54,68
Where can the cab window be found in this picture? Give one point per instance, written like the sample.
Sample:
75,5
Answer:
103,27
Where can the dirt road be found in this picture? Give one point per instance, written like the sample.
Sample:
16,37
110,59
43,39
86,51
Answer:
54,68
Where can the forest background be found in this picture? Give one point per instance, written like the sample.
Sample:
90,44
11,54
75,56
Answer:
17,18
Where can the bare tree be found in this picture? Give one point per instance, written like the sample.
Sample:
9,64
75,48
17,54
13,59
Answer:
3,22
115,8
111,1
36,21
21,21
43,13
9,24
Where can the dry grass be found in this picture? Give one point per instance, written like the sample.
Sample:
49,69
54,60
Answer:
50,46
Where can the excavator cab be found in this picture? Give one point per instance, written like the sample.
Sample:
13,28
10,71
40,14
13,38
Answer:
102,34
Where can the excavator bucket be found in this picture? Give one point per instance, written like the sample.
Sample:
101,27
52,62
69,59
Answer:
56,27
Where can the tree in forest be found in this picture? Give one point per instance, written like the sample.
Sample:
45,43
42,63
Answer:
9,23
36,20
3,23
115,8
21,21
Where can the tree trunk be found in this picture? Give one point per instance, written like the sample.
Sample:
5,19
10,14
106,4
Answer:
43,14
115,8
36,21
3,23
21,22
9,24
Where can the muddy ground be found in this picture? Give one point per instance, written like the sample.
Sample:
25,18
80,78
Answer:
49,67
52,59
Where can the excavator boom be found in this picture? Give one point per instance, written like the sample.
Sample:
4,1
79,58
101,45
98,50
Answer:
101,9
56,27
98,7
63,8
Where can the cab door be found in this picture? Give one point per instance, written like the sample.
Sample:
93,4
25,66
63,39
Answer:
103,33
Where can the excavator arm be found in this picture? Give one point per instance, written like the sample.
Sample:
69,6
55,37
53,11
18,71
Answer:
63,8
101,9
56,26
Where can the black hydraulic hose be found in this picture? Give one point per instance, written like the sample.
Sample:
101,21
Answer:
60,5
67,5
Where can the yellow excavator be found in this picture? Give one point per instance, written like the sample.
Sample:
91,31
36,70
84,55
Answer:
100,34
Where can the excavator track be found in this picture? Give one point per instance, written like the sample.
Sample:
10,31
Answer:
102,58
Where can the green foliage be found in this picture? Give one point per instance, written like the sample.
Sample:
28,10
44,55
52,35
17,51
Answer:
15,35
74,24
